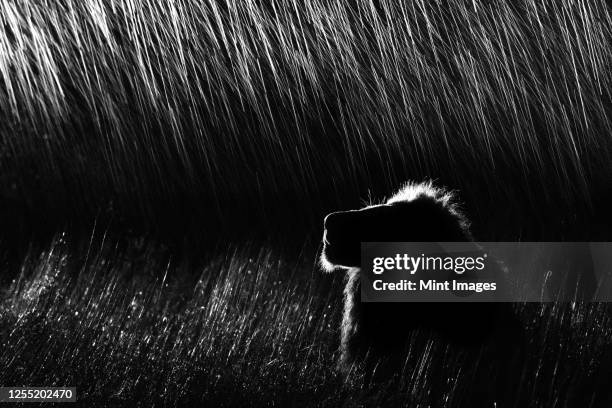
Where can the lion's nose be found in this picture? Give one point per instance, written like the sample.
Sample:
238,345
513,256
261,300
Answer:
334,221
328,220
339,226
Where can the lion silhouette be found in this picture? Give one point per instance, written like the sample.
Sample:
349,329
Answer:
377,334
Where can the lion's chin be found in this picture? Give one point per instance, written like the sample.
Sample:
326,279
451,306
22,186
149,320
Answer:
327,264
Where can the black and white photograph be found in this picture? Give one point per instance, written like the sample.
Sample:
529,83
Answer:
317,203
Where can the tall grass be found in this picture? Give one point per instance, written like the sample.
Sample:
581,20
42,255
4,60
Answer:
126,322
145,106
